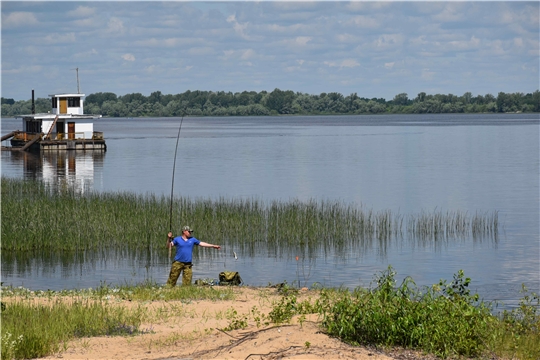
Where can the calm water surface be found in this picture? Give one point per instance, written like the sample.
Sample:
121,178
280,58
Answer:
407,164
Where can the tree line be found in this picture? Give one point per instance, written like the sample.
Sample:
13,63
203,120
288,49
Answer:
283,102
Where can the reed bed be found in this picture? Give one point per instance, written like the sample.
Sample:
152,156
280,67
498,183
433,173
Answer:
36,216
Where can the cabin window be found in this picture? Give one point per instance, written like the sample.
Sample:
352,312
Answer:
54,103
33,127
74,101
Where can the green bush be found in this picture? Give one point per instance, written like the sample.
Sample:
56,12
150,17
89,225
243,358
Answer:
445,319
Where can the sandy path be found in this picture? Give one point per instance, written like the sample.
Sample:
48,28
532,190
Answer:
190,331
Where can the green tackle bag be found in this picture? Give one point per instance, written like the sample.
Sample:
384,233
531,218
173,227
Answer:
230,278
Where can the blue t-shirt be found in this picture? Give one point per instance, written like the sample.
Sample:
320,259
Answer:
184,248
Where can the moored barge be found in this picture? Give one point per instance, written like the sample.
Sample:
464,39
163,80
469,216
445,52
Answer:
65,127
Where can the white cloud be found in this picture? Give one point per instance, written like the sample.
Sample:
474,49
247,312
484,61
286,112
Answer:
294,43
518,42
347,63
115,26
452,11
365,22
418,40
88,22
165,42
201,51
248,54
496,48
427,74
18,19
387,41
81,11
282,29
367,5
347,38
228,54
128,57
86,54
302,40
389,65
472,43
350,63
59,38
34,69
238,28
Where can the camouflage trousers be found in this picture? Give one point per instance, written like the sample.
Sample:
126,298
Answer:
177,268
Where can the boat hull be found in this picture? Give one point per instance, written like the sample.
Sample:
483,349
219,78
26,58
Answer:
20,140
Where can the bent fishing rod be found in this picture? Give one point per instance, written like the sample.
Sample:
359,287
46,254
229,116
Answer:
169,243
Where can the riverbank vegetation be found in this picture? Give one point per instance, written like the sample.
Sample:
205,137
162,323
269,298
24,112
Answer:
444,320
36,216
40,323
280,102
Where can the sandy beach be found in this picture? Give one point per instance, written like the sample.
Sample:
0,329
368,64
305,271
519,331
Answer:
195,330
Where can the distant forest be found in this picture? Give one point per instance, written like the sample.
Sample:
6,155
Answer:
279,102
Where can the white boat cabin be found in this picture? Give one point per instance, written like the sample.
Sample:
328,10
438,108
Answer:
66,120
67,104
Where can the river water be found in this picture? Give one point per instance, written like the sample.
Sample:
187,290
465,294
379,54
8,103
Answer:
407,164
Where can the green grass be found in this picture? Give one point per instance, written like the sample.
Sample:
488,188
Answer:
31,329
38,217
146,291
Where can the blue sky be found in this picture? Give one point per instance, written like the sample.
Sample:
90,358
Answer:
374,49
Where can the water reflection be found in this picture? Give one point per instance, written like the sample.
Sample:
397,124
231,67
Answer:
74,169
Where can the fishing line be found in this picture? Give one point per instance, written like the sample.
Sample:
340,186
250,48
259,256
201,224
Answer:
172,184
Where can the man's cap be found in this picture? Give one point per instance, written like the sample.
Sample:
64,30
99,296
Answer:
187,228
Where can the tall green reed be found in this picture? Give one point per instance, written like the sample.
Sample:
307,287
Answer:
35,216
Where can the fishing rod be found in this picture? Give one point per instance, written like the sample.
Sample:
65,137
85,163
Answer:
172,184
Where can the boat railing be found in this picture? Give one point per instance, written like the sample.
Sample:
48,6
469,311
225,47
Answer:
96,135
27,136
24,136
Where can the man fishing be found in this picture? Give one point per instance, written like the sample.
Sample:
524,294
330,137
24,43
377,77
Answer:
184,252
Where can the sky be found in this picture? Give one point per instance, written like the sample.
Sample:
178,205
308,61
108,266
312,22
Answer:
373,49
